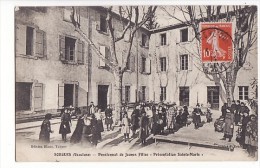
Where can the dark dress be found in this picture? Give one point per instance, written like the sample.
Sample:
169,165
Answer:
65,124
135,119
95,132
77,134
144,122
224,110
245,120
108,114
155,127
45,131
237,114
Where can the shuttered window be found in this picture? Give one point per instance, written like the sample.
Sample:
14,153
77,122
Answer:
38,96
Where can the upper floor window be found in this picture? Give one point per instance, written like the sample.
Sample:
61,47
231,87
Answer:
30,41
71,49
184,62
103,23
163,39
146,65
163,63
184,35
243,92
144,40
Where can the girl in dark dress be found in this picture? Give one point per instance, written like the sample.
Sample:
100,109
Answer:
143,133
77,134
45,129
65,125
94,131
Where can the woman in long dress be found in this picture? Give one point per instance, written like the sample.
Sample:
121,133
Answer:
143,133
251,135
45,129
65,125
77,134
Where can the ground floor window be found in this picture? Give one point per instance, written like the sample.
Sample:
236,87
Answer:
243,92
127,94
213,96
23,96
103,96
163,94
184,96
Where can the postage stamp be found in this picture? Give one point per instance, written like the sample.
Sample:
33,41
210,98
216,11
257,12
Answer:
216,42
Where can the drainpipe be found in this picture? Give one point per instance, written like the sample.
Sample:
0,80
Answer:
137,70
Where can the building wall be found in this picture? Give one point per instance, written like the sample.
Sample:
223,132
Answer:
193,78
49,70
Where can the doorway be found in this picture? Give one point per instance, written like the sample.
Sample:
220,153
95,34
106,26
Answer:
23,92
102,96
68,95
184,96
213,96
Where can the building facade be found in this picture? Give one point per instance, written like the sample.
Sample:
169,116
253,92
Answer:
55,67
177,73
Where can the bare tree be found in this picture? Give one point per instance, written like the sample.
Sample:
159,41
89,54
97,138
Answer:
245,36
132,18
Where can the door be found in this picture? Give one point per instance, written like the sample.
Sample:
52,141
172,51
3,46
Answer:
68,95
213,96
184,96
23,92
102,96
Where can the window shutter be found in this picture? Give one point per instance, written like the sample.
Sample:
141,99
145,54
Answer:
62,47
97,18
76,95
44,44
148,65
39,43
178,36
20,37
190,62
146,93
132,62
190,34
103,52
178,64
38,96
108,55
158,40
80,54
60,95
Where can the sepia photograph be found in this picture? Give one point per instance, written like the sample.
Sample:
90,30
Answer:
136,83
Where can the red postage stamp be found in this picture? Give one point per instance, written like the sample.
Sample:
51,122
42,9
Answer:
216,42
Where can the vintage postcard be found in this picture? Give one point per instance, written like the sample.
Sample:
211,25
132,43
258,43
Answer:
136,83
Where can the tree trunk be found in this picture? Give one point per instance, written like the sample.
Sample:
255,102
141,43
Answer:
118,93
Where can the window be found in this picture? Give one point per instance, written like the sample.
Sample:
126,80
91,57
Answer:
163,94
127,94
103,23
144,40
163,63
143,93
29,40
143,64
68,94
163,39
184,62
243,92
184,96
105,52
69,49
184,35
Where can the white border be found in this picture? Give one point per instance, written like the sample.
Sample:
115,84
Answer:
7,116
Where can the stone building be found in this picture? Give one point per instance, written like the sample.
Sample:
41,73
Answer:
55,67
177,75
